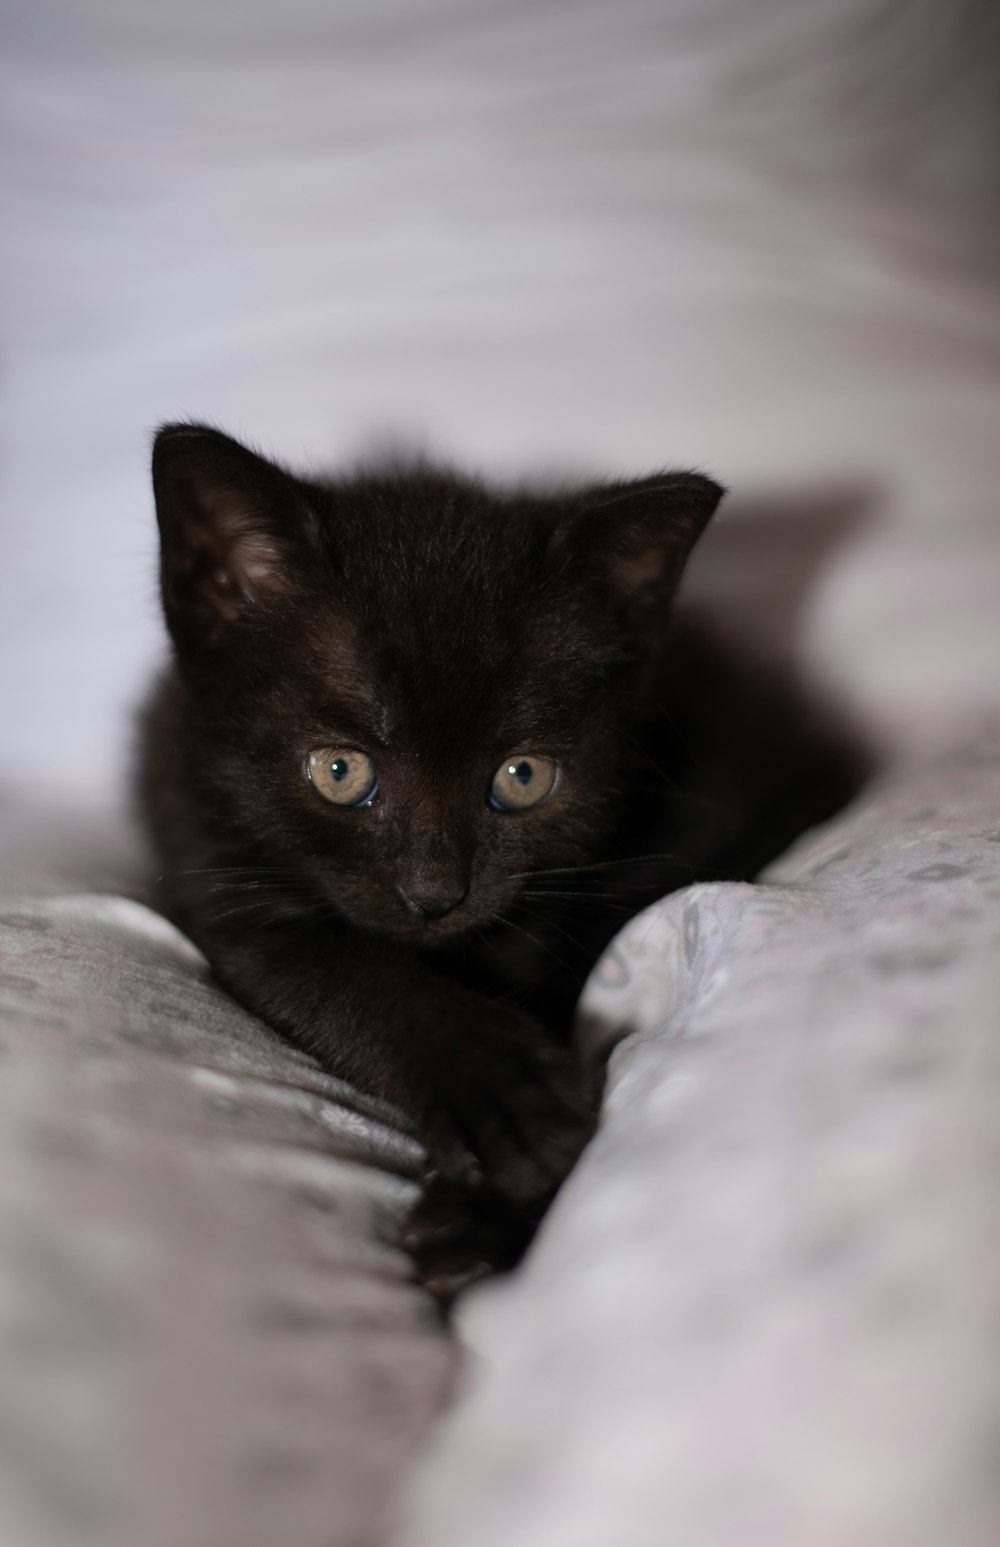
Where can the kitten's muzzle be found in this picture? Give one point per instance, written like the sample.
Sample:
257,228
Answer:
432,902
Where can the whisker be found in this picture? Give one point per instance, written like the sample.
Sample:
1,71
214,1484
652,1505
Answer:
602,899
554,924
651,762
541,944
242,870
604,864
316,913
302,887
544,895
243,908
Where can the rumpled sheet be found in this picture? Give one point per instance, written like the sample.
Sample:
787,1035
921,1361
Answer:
209,1336
764,1310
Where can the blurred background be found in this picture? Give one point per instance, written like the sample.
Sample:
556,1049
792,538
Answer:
759,236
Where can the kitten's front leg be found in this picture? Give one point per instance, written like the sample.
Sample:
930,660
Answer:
503,1109
514,1113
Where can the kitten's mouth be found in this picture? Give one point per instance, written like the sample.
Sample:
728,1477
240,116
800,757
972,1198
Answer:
421,932
434,931
413,926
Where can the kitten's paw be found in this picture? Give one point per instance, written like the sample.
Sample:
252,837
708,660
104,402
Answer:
516,1113
512,1119
458,1234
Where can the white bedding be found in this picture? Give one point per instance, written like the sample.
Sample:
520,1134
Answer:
208,1332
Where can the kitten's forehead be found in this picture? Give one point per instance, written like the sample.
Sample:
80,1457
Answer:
443,622
469,551
451,680
470,644
457,573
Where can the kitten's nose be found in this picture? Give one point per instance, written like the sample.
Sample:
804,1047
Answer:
432,902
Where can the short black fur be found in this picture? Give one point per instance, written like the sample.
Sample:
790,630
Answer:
440,628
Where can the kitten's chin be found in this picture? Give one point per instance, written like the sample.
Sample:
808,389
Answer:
433,932
422,936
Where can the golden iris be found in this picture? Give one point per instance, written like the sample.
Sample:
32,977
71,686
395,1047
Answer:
522,781
343,775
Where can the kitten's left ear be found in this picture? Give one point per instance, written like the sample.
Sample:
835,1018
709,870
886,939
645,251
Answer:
637,537
235,530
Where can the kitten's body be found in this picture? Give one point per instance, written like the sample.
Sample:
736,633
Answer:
441,630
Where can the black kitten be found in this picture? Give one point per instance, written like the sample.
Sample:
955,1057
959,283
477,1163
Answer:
423,750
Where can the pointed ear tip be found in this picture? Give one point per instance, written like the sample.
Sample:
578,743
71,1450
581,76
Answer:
177,429
165,439
173,433
705,495
681,484
707,486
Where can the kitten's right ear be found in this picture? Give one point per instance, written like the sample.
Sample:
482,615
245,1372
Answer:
634,539
234,530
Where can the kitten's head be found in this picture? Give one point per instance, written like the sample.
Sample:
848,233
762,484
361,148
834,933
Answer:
407,688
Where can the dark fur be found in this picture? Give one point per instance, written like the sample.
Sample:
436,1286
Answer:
441,627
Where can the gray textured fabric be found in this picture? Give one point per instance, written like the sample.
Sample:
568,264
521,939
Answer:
764,1309
207,1332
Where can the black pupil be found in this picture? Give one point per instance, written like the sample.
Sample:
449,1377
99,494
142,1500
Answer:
522,773
338,768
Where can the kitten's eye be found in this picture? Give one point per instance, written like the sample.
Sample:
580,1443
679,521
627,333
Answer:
343,775
521,781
